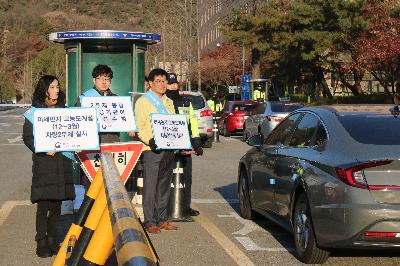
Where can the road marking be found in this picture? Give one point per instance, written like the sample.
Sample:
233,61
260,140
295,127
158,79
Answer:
231,249
248,226
11,116
17,139
210,201
251,246
8,206
14,144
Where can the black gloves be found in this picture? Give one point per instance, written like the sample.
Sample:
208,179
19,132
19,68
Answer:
152,144
196,143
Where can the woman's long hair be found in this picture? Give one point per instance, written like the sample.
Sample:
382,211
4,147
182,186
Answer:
40,93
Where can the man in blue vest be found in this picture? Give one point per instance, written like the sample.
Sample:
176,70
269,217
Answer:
185,108
102,77
158,164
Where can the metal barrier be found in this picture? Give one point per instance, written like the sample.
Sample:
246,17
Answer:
106,219
130,239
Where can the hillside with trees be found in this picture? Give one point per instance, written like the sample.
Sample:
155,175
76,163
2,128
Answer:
26,53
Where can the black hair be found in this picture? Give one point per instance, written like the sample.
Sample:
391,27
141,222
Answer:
157,72
40,93
146,79
101,70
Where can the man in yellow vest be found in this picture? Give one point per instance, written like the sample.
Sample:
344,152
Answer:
182,107
215,105
258,94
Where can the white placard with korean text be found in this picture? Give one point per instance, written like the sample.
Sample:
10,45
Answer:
115,113
171,132
65,129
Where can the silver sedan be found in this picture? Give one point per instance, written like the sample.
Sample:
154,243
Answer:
329,177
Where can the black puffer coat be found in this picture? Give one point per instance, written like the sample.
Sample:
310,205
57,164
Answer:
52,177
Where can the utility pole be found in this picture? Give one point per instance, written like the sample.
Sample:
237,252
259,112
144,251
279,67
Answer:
190,44
164,43
198,49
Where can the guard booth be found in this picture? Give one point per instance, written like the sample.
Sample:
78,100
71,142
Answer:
123,51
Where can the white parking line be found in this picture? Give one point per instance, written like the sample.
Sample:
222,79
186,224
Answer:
8,206
230,248
13,144
249,244
215,201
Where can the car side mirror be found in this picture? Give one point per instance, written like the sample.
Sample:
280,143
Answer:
256,140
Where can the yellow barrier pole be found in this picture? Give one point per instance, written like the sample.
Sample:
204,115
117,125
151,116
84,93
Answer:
80,217
131,243
90,226
100,246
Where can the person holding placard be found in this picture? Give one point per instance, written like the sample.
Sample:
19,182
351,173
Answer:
182,107
52,179
158,164
102,77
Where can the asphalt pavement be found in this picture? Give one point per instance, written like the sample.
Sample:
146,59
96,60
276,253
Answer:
219,236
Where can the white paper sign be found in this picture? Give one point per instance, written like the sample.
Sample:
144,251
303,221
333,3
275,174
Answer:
171,132
115,113
65,129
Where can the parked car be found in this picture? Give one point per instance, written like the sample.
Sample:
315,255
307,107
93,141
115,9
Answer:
203,113
267,116
329,177
233,116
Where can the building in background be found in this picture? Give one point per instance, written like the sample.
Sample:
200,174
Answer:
212,13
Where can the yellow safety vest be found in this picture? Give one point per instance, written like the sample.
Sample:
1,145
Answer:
215,107
211,104
256,94
192,119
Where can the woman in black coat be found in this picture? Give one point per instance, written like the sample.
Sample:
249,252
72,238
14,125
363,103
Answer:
52,179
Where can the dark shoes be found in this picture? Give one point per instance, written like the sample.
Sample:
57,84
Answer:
42,249
193,212
168,226
153,229
53,245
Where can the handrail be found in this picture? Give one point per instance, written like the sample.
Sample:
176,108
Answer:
130,240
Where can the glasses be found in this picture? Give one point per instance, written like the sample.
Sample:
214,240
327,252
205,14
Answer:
102,79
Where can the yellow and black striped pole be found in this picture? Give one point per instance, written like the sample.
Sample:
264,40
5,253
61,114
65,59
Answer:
90,226
80,217
132,245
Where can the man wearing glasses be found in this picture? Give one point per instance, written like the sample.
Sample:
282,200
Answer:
102,76
158,164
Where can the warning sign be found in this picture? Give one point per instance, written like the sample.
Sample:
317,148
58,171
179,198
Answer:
125,156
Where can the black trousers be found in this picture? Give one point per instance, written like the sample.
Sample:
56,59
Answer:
157,175
47,217
187,177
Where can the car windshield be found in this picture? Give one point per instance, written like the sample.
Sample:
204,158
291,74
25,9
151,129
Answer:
372,129
284,107
197,101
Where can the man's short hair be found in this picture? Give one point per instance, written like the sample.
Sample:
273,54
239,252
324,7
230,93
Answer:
102,70
157,72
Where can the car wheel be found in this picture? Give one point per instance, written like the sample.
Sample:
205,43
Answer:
225,131
208,143
304,237
244,197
